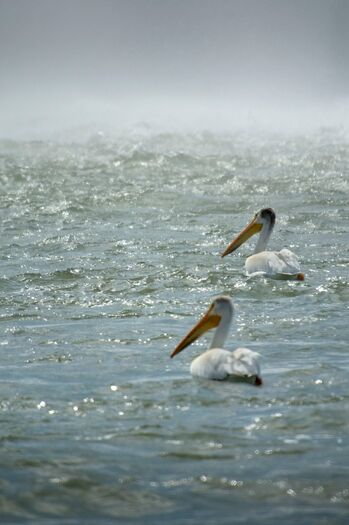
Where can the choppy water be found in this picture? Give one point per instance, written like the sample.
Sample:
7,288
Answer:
109,254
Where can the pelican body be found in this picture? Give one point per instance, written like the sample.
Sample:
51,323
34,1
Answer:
283,264
217,363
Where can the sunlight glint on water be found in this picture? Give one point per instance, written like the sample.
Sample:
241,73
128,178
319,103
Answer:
109,253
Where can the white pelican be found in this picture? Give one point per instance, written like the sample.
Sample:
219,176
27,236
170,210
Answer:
283,264
218,363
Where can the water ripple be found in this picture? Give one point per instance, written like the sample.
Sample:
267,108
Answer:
109,253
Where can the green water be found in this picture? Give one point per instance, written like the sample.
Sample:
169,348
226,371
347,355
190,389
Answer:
109,254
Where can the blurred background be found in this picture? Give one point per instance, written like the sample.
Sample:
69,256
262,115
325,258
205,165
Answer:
172,64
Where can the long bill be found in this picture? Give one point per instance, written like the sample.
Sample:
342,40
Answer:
251,229
210,320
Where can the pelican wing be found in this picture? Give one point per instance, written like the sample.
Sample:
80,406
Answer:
268,263
290,261
218,363
244,363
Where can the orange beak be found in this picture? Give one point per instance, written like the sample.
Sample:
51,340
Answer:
251,229
210,320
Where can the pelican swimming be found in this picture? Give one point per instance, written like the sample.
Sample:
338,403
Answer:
283,264
217,363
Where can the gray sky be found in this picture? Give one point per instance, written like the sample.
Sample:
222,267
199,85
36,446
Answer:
143,57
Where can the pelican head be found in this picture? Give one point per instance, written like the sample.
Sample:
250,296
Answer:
263,222
220,310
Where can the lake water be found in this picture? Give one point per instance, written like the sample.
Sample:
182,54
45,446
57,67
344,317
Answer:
109,254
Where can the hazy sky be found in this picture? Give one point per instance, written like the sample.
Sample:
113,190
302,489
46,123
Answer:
147,55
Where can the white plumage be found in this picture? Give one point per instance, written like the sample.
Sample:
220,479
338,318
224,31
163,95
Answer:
217,363
283,264
273,264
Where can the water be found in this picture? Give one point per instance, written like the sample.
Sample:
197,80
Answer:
109,254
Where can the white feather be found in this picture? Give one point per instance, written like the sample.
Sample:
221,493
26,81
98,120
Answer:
218,363
273,264
283,264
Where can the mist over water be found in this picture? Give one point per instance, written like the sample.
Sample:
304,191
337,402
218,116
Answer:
136,139
198,65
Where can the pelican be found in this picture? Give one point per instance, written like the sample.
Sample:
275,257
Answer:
283,264
217,363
